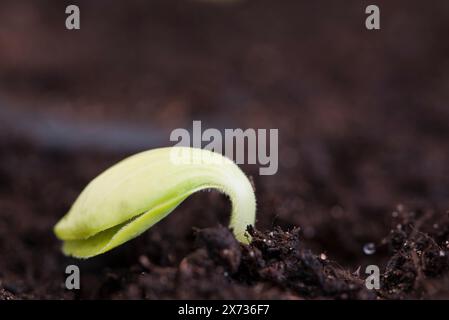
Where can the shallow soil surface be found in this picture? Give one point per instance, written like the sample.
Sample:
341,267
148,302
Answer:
363,173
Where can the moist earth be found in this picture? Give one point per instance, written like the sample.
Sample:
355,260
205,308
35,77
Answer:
363,173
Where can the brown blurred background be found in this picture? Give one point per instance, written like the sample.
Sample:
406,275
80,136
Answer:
362,115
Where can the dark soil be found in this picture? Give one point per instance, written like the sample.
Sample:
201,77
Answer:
363,144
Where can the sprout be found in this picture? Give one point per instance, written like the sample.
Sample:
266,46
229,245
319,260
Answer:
133,195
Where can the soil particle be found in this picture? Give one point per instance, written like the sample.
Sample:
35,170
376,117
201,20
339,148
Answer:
5,295
280,258
419,254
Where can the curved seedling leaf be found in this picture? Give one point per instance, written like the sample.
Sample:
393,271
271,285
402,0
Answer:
139,191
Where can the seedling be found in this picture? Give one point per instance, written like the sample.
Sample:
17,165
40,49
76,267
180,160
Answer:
133,195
